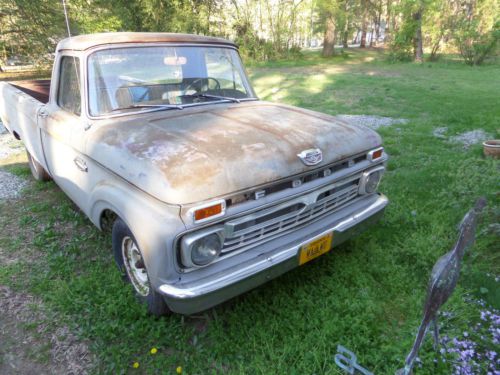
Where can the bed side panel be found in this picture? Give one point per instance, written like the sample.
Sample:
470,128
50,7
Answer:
18,112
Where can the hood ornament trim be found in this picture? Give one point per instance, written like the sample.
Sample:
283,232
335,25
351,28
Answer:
311,156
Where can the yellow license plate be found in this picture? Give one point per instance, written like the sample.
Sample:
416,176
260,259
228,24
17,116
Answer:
315,248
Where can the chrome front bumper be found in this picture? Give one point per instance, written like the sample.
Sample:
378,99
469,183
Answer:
188,298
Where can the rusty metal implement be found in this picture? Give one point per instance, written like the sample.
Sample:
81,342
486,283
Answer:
347,361
443,280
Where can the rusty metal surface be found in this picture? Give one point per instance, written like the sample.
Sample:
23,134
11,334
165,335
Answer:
38,89
443,280
83,42
201,153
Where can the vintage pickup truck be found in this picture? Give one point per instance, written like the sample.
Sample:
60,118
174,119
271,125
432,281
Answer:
207,190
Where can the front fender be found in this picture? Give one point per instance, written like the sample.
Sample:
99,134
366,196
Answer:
153,223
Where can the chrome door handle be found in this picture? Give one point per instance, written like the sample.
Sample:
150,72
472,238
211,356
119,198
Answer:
43,113
80,164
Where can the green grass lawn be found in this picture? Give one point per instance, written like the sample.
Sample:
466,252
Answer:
366,294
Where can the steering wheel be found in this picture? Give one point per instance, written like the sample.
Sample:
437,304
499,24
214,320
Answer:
208,79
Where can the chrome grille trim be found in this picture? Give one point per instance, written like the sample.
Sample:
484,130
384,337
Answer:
266,224
304,178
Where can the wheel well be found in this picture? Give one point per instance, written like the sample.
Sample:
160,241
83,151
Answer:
107,220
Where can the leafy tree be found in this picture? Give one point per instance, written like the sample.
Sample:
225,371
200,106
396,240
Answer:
265,29
407,41
477,30
33,28
30,28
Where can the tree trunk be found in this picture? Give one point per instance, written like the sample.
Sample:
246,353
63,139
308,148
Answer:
371,35
377,24
311,24
387,29
329,39
364,25
362,44
345,33
417,41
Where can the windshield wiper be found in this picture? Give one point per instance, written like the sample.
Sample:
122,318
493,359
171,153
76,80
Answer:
158,106
209,96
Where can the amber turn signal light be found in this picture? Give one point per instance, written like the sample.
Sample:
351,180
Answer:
209,211
375,154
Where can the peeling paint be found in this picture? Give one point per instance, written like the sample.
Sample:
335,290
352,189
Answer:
196,154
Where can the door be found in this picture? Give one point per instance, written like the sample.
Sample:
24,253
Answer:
63,131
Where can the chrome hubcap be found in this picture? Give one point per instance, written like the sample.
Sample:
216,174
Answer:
135,267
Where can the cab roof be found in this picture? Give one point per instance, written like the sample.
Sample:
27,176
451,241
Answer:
83,42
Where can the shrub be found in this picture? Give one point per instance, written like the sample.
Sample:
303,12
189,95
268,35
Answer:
257,49
401,48
475,46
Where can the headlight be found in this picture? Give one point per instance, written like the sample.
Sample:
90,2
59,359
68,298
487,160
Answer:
206,249
370,179
200,249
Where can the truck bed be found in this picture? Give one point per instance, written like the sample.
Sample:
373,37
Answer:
20,102
38,88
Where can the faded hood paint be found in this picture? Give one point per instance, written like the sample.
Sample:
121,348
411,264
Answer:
199,153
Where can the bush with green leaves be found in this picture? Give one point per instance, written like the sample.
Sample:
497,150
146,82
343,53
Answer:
475,46
253,48
401,46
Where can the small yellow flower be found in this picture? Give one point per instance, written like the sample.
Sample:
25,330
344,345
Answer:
154,351
178,370
135,365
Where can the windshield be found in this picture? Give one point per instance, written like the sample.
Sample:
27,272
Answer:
141,78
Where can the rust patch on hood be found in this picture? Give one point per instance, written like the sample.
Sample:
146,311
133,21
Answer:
197,154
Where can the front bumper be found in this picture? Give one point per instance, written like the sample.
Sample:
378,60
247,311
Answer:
191,297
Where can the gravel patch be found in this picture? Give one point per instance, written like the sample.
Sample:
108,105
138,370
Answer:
8,144
10,185
470,138
467,139
69,354
372,122
440,132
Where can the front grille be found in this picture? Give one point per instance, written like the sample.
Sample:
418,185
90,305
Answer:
303,178
269,223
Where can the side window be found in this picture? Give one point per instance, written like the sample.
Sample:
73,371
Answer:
68,92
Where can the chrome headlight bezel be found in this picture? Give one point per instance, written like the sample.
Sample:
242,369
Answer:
365,179
189,241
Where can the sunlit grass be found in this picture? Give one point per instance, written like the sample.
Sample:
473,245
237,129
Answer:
14,75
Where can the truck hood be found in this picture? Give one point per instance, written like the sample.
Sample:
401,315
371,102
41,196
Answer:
196,154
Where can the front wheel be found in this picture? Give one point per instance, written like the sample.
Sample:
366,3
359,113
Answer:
131,263
38,172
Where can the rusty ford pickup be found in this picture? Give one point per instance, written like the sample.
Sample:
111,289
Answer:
208,191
